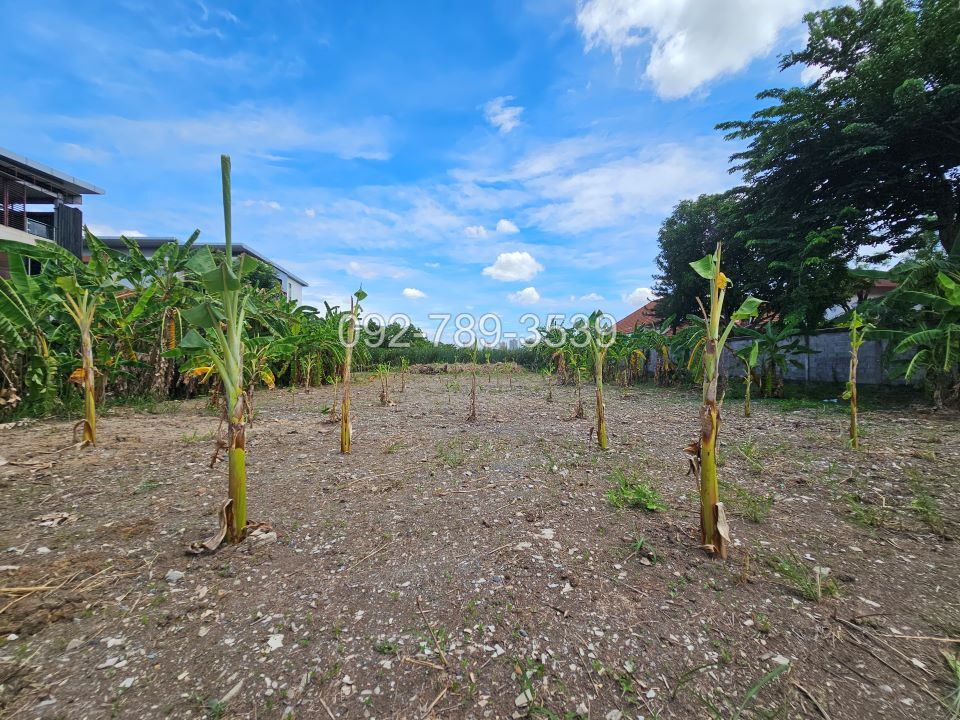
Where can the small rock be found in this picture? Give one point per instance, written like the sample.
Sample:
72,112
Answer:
523,699
232,693
614,715
74,644
127,683
781,660
263,538
43,550
274,642
173,576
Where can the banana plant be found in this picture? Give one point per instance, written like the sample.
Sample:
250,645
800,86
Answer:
748,355
221,317
702,453
348,342
472,415
81,305
858,330
383,375
778,346
598,339
25,354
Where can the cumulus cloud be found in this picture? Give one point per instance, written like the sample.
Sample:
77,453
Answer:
591,297
502,116
639,297
413,293
691,41
513,266
506,227
527,296
475,231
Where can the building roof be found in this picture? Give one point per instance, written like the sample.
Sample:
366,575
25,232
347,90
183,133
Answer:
643,316
154,242
45,180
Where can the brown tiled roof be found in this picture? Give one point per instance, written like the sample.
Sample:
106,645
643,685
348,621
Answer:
644,316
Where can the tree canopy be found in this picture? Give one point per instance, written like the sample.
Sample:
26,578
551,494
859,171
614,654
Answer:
853,167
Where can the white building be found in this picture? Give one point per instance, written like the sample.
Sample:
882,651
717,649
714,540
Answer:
291,285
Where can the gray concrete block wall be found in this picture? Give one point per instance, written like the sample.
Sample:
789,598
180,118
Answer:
830,361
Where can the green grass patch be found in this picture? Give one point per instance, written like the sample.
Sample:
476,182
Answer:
631,492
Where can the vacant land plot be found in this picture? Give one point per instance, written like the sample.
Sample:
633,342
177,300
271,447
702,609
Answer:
491,569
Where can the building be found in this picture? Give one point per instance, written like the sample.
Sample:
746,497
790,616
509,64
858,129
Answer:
37,201
643,317
291,285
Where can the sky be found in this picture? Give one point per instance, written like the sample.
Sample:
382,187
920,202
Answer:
505,157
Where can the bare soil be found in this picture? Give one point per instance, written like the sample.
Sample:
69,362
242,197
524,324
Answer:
478,570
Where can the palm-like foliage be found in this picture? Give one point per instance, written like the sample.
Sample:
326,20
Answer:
778,348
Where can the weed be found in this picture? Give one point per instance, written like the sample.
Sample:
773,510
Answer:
641,548
810,583
392,448
216,709
924,504
386,647
756,508
196,437
146,486
750,452
630,492
452,453
953,665
749,697
867,514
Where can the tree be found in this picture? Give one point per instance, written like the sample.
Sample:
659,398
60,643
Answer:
692,230
855,165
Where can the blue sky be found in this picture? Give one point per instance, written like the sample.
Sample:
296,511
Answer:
504,157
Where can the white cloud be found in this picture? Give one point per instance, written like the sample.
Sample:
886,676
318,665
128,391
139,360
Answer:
511,266
506,227
374,269
639,297
527,296
265,204
811,73
413,293
110,231
264,133
502,116
591,297
691,41
475,231
310,212
604,193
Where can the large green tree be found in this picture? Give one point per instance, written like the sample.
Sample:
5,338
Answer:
855,165
691,231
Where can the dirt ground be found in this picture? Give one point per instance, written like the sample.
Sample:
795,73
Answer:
478,570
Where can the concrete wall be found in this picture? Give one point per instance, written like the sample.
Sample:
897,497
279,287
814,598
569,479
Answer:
831,361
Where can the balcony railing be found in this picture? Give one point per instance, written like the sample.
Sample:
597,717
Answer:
40,229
